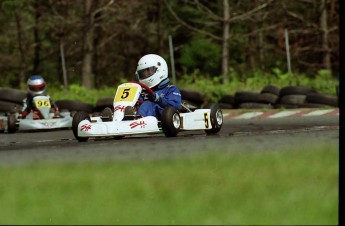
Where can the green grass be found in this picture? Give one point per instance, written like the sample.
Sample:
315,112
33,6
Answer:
294,187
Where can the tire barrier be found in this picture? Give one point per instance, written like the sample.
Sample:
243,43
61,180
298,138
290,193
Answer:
73,105
11,100
271,96
290,97
103,103
304,97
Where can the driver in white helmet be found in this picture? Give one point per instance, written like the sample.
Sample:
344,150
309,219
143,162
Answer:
37,87
152,70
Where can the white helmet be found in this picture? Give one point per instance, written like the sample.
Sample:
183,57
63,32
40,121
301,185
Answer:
36,85
152,70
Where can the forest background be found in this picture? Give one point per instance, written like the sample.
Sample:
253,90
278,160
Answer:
94,44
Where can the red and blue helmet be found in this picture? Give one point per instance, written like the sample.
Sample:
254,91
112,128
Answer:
36,85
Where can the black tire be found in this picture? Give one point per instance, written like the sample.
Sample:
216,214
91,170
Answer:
73,105
216,118
252,105
170,121
227,99
296,90
12,95
268,98
246,96
286,106
296,99
107,115
11,107
271,89
318,98
11,123
312,105
225,106
192,96
103,102
77,118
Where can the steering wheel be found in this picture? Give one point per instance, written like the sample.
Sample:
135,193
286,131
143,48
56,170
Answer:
148,89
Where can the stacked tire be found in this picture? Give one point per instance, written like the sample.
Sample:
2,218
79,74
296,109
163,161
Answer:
227,101
293,96
73,106
192,98
318,100
11,100
265,99
102,103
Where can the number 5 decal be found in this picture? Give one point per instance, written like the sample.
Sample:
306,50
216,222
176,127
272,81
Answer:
125,93
206,120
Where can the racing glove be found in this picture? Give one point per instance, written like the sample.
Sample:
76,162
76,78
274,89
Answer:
161,100
154,97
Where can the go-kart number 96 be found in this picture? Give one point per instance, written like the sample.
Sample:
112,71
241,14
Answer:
42,103
125,94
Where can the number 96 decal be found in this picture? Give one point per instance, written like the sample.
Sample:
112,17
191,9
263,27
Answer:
42,103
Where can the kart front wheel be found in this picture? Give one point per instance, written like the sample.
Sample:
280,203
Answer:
77,118
216,117
11,123
171,122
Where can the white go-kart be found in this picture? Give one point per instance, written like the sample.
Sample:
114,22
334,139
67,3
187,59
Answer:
117,123
41,118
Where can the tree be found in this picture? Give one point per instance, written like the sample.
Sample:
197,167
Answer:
101,41
87,76
213,17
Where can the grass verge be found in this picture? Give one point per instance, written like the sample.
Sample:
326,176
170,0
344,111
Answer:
293,187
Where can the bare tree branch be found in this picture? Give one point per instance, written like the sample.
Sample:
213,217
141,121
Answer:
246,15
182,22
106,7
208,11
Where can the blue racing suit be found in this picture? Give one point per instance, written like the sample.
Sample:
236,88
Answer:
169,95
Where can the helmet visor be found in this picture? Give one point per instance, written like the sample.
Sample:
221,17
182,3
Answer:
147,72
37,88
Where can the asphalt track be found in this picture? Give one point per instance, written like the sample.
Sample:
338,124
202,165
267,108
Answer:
253,135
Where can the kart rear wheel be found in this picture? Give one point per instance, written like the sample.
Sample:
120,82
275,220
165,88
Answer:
11,123
216,118
171,122
77,118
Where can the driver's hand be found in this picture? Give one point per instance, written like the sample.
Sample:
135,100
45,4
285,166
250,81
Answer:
145,96
154,97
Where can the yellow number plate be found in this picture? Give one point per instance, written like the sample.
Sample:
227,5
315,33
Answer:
42,103
125,93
